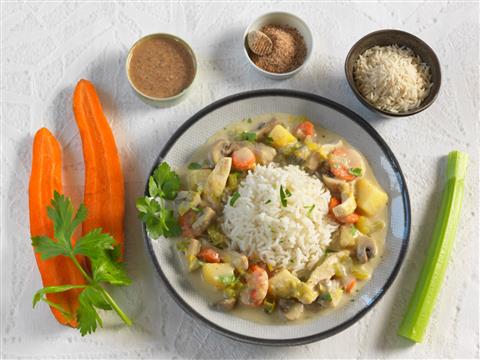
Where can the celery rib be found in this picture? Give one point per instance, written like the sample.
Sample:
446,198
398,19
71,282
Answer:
428,285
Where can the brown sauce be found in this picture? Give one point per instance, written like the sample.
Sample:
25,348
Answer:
161,67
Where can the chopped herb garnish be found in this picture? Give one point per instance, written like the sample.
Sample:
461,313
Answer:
249,120
283,196
354,230
194,166
228,279
248,136
234,198
269,139
288,193
196,209
355,171
328,251
326,297
182,246
268,201
310,209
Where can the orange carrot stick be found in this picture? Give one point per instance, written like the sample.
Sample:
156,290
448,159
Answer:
46,177
104,187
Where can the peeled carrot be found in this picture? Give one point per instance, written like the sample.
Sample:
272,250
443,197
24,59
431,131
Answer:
349,219
305,129
350,285
331,204
104,194
209,255
46,177
243,159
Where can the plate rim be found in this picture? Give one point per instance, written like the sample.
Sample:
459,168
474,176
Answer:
352,116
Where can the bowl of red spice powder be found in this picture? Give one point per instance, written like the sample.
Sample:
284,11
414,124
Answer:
292,43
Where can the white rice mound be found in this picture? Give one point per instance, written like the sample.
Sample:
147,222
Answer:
392,78
290,237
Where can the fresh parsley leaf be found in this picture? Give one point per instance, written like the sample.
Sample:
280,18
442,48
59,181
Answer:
355,171
288,193
167,182
248,136
99,248
48,248
160,221
105,270
283,196
39,295
268,201
194,166
64,221
234,198
93,243
172,226
87,316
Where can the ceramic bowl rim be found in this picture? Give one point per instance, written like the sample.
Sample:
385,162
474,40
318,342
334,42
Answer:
335,106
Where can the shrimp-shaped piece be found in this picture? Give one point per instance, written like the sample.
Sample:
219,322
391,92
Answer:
256,287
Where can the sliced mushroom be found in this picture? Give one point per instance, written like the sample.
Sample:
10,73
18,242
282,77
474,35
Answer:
220,149
187,200
347,235
193,248
201,224
239,261
225,304
366,249
216,181
313,162
348,204
191,254
333,184
264,154
265,128
326,269
291,309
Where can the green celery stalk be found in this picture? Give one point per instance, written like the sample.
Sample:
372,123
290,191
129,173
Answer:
421,304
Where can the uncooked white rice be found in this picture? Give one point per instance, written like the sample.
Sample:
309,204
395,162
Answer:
392,78
292,237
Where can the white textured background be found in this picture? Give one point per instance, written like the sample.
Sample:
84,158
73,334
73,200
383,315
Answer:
47,47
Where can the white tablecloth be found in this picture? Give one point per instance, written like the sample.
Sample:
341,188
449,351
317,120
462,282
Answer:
47,47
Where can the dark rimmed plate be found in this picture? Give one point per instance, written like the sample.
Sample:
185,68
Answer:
331,116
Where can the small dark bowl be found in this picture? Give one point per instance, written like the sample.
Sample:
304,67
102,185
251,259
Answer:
401,38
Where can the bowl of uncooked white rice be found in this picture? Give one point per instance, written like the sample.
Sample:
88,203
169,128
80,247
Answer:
393,72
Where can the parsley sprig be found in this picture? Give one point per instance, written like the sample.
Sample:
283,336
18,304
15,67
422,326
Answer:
100,250
159,220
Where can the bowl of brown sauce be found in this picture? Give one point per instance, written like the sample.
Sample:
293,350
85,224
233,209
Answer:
161,69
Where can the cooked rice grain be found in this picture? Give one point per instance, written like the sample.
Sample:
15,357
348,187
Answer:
293,236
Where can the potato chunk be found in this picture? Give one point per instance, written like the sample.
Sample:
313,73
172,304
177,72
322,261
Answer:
215,274
281,137
370,198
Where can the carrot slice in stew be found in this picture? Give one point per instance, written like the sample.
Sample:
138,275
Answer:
46,177
104,187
